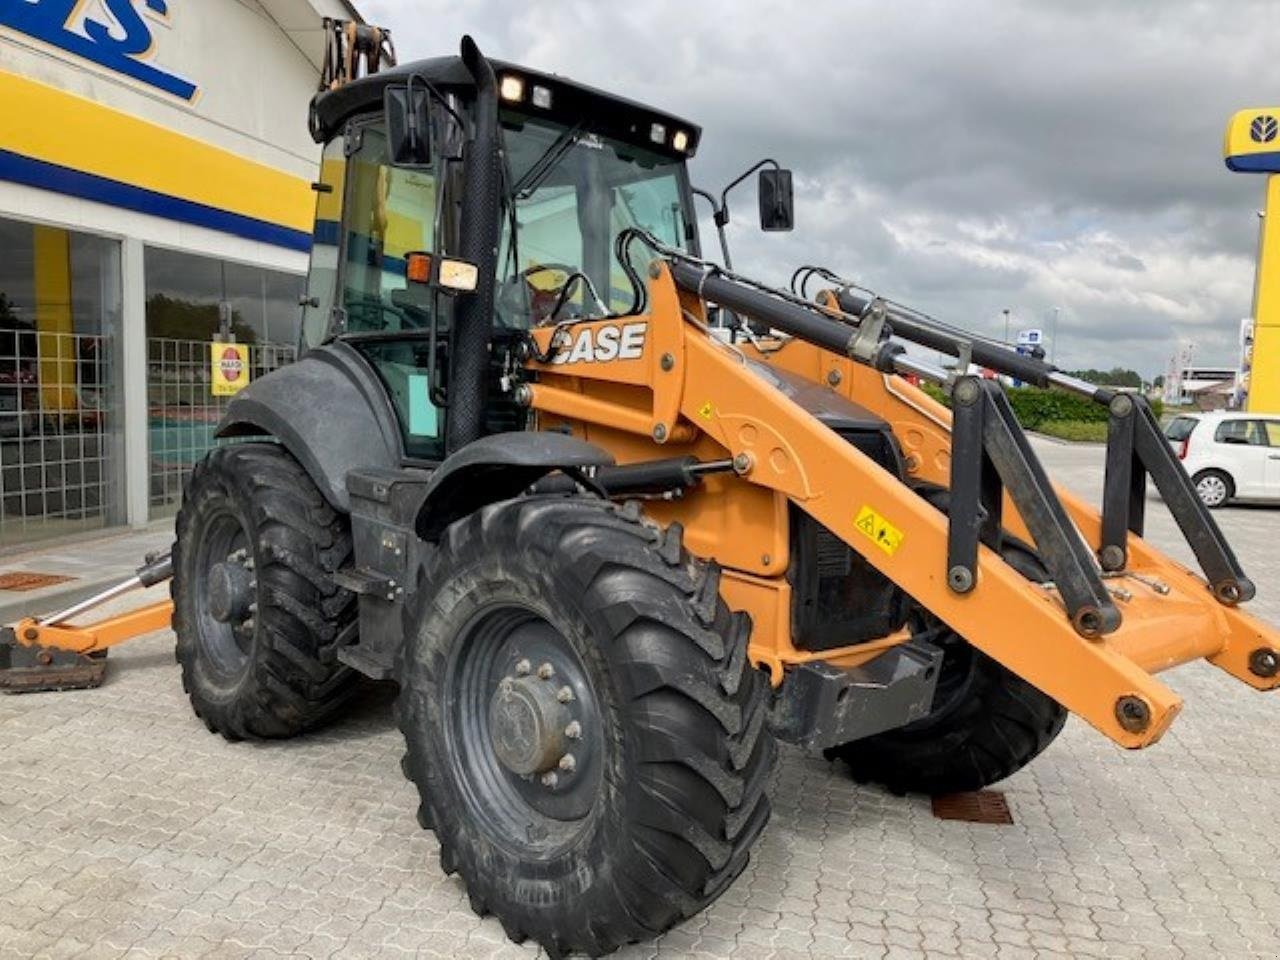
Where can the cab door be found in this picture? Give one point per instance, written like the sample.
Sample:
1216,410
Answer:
370,216
1242,446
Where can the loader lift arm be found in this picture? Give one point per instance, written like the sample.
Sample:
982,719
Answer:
1086,654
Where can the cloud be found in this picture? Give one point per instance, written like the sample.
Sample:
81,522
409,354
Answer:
964,158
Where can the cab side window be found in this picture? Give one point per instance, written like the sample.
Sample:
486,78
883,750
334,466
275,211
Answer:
318,303
390,212
1241,432
1272,430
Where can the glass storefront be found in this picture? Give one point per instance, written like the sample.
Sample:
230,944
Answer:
191,302
60,312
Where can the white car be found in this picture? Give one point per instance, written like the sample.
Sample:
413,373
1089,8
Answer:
1229,455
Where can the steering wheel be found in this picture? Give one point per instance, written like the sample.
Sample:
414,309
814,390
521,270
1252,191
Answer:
542,302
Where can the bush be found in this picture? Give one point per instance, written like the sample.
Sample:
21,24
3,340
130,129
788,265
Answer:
1035,408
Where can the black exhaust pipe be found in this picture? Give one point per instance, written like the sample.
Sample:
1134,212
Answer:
481,225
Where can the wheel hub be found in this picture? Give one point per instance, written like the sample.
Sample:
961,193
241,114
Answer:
230,589
527,724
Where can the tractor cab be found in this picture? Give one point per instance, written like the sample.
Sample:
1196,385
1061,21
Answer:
396,200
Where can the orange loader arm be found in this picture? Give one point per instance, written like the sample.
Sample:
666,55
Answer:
680,389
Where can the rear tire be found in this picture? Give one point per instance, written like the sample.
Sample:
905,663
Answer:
986,722
268,668
1214,488
666,792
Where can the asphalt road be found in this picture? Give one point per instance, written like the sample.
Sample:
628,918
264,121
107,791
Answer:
126,829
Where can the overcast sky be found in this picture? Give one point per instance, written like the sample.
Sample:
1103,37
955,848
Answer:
961,157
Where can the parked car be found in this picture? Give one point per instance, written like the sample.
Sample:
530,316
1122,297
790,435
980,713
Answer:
1230,456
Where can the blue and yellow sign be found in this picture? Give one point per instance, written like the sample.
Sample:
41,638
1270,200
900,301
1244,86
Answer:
1252,143
121,41
1253,146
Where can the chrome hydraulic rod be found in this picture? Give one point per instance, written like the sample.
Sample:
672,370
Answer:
799,319
155,570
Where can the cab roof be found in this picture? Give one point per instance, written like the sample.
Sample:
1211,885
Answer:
571,103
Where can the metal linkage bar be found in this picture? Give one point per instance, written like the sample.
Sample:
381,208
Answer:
1137,448
990,453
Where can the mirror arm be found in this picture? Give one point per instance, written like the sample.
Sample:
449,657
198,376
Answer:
724,194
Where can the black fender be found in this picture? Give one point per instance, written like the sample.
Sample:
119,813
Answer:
329,410
498,467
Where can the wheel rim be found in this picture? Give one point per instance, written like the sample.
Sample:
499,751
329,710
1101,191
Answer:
520,701
224,617
1212,490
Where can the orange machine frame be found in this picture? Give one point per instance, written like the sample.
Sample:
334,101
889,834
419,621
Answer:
685,392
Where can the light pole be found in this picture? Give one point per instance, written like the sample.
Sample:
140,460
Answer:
1053,335
1006,325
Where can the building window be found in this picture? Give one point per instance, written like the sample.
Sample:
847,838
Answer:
60,457
191,302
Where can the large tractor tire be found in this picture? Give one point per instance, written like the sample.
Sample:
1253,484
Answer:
985,724
584,728
255,609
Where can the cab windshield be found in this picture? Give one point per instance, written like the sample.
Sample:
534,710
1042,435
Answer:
574,191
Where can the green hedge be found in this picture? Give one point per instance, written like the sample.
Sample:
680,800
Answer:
1033,406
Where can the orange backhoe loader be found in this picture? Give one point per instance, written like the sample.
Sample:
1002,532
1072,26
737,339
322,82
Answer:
617,519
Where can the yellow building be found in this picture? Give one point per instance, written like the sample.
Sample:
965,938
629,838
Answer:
155,171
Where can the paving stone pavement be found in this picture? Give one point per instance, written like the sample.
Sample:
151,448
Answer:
126,829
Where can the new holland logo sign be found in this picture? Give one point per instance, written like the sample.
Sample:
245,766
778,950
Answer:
228,368
116,34
1263,129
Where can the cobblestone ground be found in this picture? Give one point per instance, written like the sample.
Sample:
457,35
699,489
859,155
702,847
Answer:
128,830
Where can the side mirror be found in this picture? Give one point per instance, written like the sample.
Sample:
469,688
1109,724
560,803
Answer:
777,202
407,115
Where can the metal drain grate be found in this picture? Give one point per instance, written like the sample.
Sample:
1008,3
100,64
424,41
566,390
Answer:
22,580
981,806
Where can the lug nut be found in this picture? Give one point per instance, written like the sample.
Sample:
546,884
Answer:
546,672
564,694
568,763
574,730
550,779
523,667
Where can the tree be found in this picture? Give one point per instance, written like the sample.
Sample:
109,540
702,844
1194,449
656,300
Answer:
169,318
1115,377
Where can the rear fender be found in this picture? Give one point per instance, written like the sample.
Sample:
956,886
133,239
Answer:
329,410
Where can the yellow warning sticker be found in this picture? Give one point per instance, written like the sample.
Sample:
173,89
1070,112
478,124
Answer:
886,536
706,411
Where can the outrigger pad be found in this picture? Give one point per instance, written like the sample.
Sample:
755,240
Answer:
28,669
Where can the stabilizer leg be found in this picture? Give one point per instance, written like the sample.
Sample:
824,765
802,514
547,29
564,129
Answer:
32,669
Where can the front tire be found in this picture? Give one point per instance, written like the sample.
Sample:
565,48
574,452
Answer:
985,723
546,628
256,613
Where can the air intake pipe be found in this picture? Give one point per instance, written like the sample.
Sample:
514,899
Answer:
481,223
